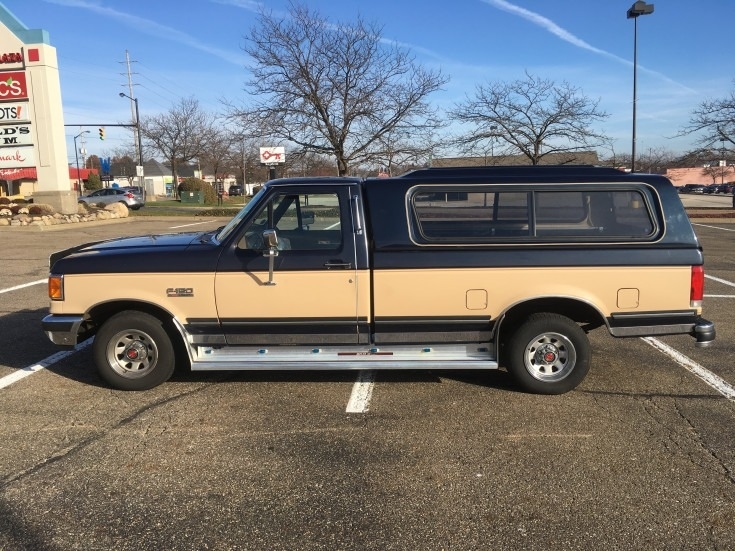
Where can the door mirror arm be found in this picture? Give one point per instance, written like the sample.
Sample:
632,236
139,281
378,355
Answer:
270,240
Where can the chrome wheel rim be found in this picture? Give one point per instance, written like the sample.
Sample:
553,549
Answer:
550,357
132,353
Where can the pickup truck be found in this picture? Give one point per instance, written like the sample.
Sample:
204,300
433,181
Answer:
468,268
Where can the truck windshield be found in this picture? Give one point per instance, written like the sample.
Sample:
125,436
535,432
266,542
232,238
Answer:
232,224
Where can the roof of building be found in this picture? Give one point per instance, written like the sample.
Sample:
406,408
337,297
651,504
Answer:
155,168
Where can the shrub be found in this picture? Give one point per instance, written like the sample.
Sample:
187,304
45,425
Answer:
195,184
4,201
93,183
41,210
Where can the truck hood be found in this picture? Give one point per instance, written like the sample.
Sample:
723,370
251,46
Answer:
140,243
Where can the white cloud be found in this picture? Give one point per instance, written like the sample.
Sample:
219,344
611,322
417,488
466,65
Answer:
153,29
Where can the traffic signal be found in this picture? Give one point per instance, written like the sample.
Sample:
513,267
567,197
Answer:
102,133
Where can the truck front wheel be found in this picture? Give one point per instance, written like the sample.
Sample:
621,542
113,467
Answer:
548,354
133,351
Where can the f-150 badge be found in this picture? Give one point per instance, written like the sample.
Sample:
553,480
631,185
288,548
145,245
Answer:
180,292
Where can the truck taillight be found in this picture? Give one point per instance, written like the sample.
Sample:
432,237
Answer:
56,287
696,292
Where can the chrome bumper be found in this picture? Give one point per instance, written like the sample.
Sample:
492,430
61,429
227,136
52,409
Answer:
62,330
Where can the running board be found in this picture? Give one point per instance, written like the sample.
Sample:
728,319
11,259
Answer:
235,358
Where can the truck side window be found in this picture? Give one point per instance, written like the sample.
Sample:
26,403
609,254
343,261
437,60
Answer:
304,222
471,215
555,215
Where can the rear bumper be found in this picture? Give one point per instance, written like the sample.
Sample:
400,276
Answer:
704,332
61,329
652,326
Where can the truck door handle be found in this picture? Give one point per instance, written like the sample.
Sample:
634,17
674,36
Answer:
338,264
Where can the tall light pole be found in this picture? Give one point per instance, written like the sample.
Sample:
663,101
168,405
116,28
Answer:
139,144
76,156
637,9
723,164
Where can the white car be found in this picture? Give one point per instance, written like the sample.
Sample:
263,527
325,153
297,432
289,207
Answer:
111,195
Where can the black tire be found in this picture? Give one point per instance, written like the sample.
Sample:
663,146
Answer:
548,354
133,351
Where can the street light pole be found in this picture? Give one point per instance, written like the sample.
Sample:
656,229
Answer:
140,143
723,165
637,9
76,156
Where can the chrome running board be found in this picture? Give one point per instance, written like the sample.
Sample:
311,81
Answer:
443,356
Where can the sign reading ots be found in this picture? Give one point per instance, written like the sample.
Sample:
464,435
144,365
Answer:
13,85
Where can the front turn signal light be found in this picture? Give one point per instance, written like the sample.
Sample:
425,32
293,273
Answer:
56,287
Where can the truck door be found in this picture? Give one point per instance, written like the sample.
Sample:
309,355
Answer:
304,290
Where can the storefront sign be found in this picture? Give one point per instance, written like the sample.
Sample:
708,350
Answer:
13,85
14,112
17,157
12,135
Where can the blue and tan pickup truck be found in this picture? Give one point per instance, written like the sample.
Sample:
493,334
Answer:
463,268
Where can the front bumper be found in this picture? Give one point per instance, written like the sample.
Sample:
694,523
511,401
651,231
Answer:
62,329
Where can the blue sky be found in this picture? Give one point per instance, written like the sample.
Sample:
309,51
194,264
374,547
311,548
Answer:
184,48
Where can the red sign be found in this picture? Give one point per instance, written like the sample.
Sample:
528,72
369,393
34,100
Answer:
12,57
13,85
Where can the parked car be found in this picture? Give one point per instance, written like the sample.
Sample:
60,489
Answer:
235,191
111,195
137,190
692,188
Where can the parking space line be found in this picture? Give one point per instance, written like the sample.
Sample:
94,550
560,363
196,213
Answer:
718,280
715,381
714,227
362,391
37,282
46,362
192,224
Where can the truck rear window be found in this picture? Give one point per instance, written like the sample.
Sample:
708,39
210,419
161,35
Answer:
454,215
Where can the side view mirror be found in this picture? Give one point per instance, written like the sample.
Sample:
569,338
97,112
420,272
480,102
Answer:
270,239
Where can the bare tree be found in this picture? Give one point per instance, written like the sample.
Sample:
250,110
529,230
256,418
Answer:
534,117
216,153
334,89
180,134
715,119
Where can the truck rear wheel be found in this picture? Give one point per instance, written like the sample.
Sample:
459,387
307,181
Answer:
548,354
133,351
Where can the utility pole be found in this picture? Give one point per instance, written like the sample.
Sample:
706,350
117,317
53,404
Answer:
82,148
135,115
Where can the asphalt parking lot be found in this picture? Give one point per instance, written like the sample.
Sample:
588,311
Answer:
640,456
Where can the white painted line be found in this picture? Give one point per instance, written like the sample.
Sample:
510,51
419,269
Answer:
716,382
714,227
37,282
193,224
718,280
362,391
46,362
719,296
